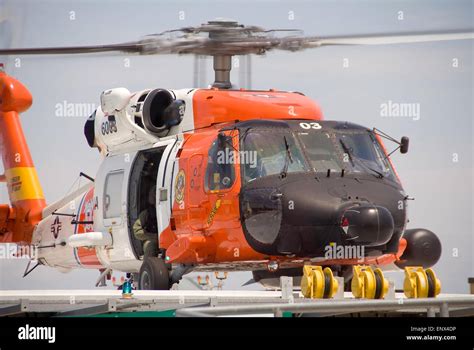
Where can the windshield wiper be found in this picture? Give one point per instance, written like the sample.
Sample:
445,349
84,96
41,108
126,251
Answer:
347,150
379,174
288,159
359,160
244,134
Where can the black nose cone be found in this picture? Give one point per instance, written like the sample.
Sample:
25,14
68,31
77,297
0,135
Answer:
301,215
367,225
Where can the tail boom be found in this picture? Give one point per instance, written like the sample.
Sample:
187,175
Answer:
24,190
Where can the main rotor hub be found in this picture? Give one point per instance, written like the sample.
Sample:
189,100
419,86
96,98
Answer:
221,32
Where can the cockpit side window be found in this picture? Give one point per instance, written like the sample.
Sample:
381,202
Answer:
220,172
361,145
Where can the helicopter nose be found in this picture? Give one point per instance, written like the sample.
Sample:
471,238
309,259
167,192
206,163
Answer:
367,225
301,216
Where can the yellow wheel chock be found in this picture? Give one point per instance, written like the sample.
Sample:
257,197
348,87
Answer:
368,283
317,283
420,283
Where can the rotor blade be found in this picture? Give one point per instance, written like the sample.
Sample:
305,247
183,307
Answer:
228,43
402,38
147,46
126,47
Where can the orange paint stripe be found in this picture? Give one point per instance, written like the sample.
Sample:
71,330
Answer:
15,152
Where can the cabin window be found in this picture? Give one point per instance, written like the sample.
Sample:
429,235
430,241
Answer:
220,172
113,195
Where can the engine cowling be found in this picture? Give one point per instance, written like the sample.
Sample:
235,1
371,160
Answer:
162,111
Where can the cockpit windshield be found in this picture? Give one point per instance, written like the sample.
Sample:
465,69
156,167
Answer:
355,151
279,151
271,153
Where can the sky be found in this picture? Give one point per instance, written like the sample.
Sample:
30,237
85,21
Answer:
349,83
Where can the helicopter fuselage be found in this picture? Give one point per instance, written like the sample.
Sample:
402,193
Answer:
223,199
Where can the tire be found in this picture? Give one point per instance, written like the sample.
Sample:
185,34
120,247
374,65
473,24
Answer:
154,275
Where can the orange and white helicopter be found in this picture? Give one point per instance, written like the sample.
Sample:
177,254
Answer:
221,178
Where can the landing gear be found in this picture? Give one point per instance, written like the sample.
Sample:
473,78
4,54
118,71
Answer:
368,283
317,283
420,283
154,274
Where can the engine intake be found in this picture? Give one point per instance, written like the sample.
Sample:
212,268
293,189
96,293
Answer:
161,111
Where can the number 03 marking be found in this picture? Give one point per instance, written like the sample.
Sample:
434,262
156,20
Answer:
308,126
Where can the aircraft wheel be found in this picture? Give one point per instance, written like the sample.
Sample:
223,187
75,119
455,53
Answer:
154,275
317,283
420,283
368,283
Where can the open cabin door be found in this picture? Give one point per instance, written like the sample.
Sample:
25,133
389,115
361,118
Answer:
165,183
148,193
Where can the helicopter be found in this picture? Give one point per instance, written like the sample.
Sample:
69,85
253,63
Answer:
222,178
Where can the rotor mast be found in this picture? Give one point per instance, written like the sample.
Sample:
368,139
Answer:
222,66
222,63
